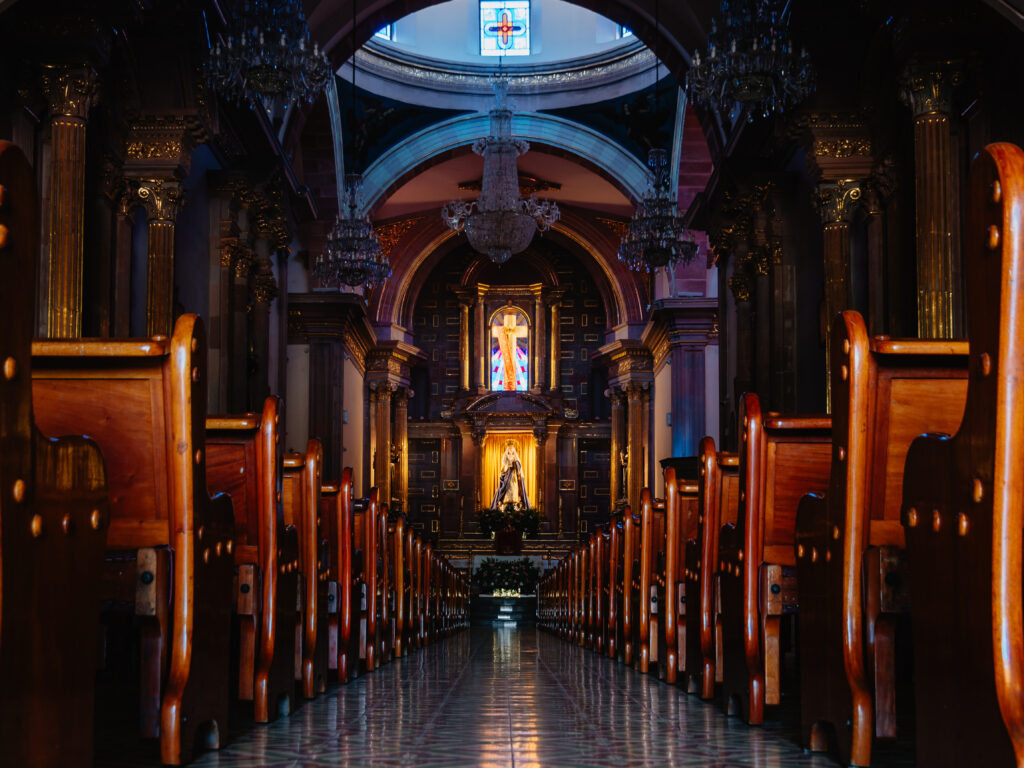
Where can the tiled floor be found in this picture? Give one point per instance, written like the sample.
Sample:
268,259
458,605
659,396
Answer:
508,697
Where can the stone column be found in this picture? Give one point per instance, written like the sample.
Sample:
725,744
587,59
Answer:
464,343
618,442
636,443
480,337
556,348
539,339
401,447
380,415
161,199
927,90
836,203
264,291
69,91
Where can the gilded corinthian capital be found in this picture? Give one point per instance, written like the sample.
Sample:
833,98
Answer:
836,201
927,87
161,198
69,89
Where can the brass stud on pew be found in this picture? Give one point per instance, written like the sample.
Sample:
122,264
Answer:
814,554
195,373
67,525
835,532
195,344
3,191
985,363
201,532
739,555
218,548
3,236
10,368
963,524
844,373
206,555
841,453
997,191
828,555
96,519
846,346
912,517
936,520
978,490
230,546
199,456
799,550
18,491
35,526
993,237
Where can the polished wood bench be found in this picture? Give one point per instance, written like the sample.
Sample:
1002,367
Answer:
781,459
243,460
613,643
144,403
849,541
301,491
961,506
345,582
718,501
368,514
397,559
54,515
669,609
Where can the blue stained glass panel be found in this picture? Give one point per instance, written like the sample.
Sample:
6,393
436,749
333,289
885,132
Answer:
504,27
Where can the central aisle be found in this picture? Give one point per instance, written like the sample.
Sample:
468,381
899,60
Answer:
508,697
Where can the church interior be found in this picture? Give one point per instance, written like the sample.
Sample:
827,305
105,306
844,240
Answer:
511,382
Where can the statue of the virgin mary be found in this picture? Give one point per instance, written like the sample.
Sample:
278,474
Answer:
511,484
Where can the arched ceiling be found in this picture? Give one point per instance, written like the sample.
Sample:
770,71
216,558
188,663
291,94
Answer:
682,26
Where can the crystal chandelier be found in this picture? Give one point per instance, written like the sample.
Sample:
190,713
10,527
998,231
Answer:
267,58
655,237
352,255
751,61
499,223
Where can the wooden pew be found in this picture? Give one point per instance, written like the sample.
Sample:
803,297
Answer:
301,493
599,581
718,501
961,510
849,541
409,592
781,459
344,583
421,601
243,460
427,589
681,505
367,531
650,545
385,583
144,403
613,644
54,515
397,559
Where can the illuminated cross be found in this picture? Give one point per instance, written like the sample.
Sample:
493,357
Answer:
508,332
505,30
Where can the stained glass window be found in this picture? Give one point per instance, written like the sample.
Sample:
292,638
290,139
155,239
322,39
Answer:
385,32
505,27
510,351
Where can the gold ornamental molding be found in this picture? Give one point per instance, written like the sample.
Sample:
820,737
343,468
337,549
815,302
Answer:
161,198
264,286
162,142
391,233
842,147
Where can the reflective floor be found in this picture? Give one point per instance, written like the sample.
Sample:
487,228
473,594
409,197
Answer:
508,697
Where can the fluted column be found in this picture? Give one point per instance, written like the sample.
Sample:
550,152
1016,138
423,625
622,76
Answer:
69,91
539,339
636,442
480,339
927,90
836,203
556,349
401,447
464,344
161,199
618,442
380,406
264,291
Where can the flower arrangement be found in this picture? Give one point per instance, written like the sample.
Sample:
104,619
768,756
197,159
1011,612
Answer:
515,576
509,517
